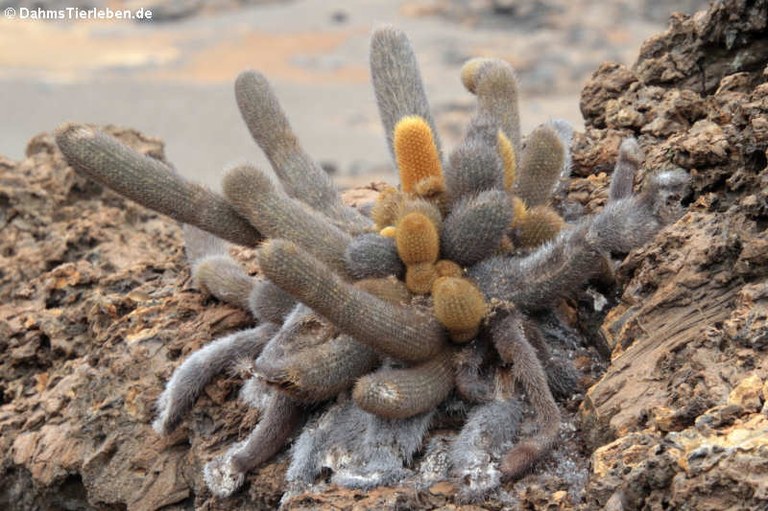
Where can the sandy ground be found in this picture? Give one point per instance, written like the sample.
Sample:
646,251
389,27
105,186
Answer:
174,79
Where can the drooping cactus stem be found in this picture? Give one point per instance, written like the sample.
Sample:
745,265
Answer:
197,370
321,372
151,183
513,348
494,83
403,393
405,333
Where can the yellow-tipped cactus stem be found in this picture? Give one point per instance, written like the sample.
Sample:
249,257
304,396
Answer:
418,205
509,158
417,239
446,268
459,306
540,225
419,278
417,156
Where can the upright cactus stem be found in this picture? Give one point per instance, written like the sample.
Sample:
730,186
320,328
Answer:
301,176
417,239
418,159
446,268
475,166
397,82
420,277
486,159
629,161
494,83
386,208
509,159
459,306
474,228
541,166
418,245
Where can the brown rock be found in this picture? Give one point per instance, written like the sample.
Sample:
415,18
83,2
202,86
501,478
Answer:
682,396
677,57
748,394
607,83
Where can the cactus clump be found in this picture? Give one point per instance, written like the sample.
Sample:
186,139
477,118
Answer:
369,326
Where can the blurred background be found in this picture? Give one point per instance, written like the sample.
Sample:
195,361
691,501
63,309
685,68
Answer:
172,76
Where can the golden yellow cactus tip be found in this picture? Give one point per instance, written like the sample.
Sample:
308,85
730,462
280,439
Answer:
417,239
509,158
416,153
459,306
388,232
